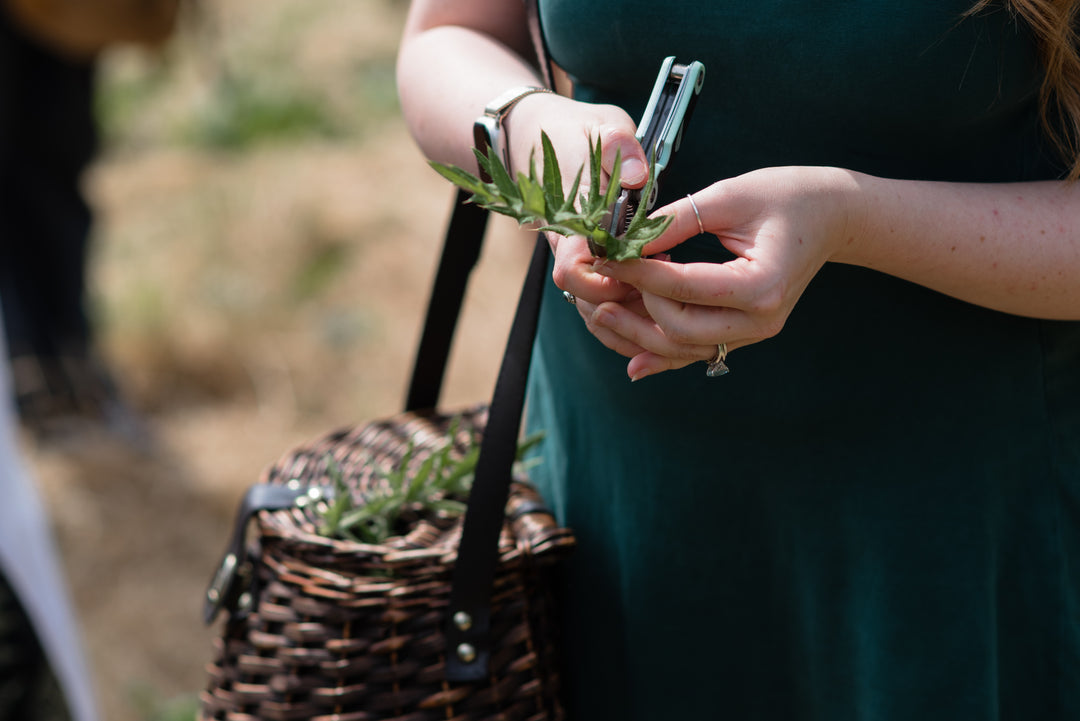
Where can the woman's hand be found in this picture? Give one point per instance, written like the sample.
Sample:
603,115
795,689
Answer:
782,224
571,125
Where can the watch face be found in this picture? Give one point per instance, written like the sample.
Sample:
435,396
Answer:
484,131
486,134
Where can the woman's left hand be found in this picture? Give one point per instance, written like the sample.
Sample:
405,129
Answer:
782,224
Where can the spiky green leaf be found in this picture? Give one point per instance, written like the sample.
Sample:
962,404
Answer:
462,179
533,198
596,172
611,194
568,204
553,190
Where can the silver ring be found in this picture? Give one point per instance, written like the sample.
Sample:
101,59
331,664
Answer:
717,367
570,297
697,215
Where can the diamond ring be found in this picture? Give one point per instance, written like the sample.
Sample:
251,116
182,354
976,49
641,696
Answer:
716,366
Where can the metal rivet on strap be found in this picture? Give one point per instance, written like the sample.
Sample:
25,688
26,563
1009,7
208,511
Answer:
463,621
466,652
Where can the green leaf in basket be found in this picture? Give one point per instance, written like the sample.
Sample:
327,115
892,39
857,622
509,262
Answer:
436,487
341,503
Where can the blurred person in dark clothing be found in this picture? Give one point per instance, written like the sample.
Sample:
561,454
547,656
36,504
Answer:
48,137
48,51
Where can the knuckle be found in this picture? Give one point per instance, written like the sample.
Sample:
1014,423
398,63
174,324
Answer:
679,334
769,311
771,330
769,303
682,289
591,325
614,126
688,354
771,326
560,275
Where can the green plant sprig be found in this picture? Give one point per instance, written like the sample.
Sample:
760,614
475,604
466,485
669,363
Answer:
437,487
530,199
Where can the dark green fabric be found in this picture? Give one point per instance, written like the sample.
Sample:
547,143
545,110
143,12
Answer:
876,515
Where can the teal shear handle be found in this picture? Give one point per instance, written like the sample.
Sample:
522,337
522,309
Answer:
660,134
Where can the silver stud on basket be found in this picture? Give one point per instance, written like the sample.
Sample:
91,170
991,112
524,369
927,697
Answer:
466,652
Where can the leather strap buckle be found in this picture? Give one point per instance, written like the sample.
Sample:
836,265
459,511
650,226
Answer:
232,586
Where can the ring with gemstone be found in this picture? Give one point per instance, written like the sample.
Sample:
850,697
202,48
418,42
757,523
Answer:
716,366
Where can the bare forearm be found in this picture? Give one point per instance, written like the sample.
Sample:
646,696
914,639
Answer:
446,75
1011,247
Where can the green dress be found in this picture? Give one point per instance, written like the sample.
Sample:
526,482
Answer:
876,515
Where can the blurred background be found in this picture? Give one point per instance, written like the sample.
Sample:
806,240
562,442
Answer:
265,238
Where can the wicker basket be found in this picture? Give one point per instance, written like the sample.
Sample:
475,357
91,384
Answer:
344,631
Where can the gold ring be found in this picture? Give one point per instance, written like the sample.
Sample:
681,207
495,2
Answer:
697,215
716,366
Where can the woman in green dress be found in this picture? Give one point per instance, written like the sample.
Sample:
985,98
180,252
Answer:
876,514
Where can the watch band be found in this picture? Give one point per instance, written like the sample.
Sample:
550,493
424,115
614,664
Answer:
488,129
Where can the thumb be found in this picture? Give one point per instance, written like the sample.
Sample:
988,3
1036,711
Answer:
620,141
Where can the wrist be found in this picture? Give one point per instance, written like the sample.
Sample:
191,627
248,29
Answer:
852,212
523,126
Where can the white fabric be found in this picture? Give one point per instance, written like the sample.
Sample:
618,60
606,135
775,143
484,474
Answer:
29,561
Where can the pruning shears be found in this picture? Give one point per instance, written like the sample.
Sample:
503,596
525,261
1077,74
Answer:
660,133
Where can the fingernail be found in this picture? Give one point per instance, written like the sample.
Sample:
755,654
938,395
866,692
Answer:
601,267
638,376
633,171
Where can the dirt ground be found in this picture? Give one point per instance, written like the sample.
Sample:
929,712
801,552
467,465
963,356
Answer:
249,297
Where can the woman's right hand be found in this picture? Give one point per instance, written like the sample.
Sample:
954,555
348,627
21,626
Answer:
570,125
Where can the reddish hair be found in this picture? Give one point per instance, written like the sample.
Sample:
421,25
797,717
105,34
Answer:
1054,24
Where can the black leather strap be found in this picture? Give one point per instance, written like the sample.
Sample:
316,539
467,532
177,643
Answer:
461,250
478,554
469,618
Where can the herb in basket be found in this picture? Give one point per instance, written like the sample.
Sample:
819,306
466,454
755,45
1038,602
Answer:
438,487
530,199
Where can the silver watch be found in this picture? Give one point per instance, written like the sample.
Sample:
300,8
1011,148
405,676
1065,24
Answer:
488,129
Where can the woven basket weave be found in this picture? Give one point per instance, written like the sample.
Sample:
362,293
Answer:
344,631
